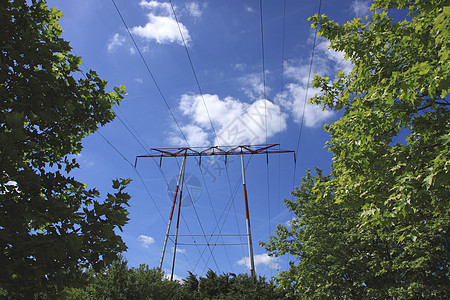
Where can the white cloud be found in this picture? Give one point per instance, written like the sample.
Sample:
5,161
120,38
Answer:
146,240
249,8
163,7
293,99
239,66
175,277
85,161
334,59
193,9
139,80
253,85
327,62
179,250
261,259
161,26
235,122
162,29
297,73
361,8
195,136
116,41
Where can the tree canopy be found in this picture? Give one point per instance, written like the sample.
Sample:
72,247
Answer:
51,225
381,225
118,281
121,282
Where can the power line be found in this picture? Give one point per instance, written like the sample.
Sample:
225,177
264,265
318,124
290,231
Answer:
196,246
203,231
282,46
150,72
206,109
129,130
215,216
306,94
226,212
193,70
307,84
141,142
201,226
215,244
137,172
234,206
148,69
304,106
166,103
263,64
265,112
165,178
230,204
224,234
281,90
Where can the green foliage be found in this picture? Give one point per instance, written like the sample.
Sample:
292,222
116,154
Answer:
390,171
51,226
121,282
190,284
336,258
230,286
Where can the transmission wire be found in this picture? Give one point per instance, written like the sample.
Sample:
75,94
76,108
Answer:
307,84
141,141
204,103
193,69
304,104
165,178
265,117
202,229
149,71
230,204
137,172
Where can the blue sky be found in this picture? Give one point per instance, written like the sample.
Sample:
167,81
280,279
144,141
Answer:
223,39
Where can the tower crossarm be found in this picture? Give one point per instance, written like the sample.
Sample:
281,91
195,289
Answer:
214,150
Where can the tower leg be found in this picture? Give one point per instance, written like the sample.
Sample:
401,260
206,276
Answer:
247,219
171,214
178,221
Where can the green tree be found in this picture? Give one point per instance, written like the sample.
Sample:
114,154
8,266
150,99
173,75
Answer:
335,258
244,286
212,286
230,286
391,148
120,282
190,285
51,226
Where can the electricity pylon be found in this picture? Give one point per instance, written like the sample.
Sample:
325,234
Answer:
209,151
